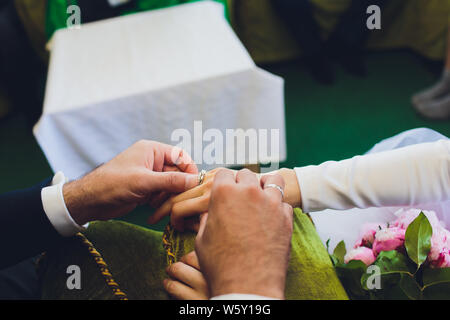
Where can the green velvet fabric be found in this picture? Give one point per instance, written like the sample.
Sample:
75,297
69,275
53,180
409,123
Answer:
137,261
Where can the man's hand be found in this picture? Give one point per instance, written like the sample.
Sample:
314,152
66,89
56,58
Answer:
243,244
143,173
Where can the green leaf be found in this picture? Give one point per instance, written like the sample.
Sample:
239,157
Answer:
350,276
418,239
392,261
410,287
340,251
436,283
334,260
396,279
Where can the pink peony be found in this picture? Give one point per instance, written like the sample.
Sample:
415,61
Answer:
388,239
405,217
367,234
439,255
362,253
443,260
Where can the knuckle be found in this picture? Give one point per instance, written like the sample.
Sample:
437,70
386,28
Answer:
175,268
188,259
170,286
245,170
142,143
223,188
173,179
252,190
221,170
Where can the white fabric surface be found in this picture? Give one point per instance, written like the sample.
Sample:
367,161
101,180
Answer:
142,76
411,176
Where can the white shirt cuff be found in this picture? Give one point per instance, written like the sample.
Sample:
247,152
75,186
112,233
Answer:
241,296
55,207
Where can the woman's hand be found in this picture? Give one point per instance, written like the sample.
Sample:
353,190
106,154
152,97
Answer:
186,280
184,209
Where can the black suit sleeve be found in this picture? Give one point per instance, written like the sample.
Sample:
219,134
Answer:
25,229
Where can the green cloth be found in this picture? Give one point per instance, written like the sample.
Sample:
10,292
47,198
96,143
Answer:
57,15
137,261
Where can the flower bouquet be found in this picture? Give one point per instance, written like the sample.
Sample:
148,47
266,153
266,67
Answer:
408,258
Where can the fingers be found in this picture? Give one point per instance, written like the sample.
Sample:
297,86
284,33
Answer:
191,259
166,208
186,209
173,182
186,282
245,176
275,179
192,224
158,198
158,160
167,168
180,291
176,156
188,275
224,176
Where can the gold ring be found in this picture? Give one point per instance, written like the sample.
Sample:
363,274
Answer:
201,177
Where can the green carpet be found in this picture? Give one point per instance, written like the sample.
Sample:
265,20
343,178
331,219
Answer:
323,122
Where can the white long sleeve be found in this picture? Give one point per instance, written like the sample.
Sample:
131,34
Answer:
406,176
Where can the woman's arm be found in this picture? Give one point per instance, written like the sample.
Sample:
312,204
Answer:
406,176
411,175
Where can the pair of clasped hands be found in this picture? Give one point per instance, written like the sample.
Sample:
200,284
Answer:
243,226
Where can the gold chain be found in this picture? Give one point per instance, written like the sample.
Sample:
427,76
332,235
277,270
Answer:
168,246
104,270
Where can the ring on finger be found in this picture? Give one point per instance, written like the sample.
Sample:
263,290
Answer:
273,185
201,177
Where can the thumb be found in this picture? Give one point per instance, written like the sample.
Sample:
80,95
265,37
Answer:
172,182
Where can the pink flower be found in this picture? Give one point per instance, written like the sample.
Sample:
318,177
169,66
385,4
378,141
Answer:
405,217
443,260
367,234
362,253
439,255
388,239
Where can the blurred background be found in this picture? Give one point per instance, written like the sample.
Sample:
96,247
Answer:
346,87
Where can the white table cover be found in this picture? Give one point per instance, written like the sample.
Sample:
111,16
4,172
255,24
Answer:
141,76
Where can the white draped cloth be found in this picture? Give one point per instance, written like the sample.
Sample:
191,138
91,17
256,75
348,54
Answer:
147,76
